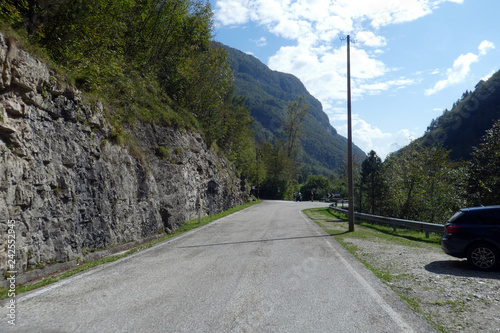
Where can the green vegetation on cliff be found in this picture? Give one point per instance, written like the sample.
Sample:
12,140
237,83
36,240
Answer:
148,60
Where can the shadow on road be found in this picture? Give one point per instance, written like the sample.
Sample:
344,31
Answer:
462,268
330,220
253,241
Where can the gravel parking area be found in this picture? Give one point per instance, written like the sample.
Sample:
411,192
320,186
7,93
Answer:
446,290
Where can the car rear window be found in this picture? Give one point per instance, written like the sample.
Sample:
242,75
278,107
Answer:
456,218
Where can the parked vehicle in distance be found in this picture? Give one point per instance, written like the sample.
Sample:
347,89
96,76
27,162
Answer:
474,233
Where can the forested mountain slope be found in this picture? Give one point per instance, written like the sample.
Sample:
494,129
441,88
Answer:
461,128
268,93
455,164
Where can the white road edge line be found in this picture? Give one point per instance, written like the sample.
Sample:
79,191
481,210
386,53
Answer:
396,317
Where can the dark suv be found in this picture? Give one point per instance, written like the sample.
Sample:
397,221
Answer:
474,233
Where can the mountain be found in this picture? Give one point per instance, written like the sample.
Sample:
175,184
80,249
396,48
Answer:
268,93
461,128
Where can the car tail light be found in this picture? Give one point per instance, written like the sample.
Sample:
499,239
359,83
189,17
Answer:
451,229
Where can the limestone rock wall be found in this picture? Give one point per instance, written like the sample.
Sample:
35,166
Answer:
70,191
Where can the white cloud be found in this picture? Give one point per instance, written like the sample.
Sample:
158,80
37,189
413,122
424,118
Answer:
399,11
460,69
401,82
370,39
262,41
369,137
232,12
327,16
323,70
485,46
379,87
456,74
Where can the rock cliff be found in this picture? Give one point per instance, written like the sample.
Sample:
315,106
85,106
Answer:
71,191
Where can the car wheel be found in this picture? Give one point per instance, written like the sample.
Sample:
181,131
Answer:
483,256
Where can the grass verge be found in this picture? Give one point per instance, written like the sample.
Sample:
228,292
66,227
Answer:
189,225
335,224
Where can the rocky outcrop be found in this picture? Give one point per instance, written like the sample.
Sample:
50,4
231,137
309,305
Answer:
71,191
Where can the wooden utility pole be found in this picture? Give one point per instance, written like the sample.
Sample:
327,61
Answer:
350,182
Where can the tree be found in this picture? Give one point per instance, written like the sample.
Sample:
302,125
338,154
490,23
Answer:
238,141
317,185
205,88
442,184
11,10
484,168
372,180
86,37
276,165
292,124
423,184
282,161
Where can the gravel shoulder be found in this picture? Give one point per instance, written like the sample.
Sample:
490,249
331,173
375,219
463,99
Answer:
451,295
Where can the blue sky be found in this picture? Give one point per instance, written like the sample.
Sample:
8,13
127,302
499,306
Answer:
412,58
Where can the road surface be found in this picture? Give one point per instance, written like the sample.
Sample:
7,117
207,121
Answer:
267,268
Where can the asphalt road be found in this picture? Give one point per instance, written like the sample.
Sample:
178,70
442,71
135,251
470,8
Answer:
264,269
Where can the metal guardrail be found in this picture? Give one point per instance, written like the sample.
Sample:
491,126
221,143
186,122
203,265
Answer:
424,226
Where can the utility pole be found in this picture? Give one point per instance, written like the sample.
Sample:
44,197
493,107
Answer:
350,182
